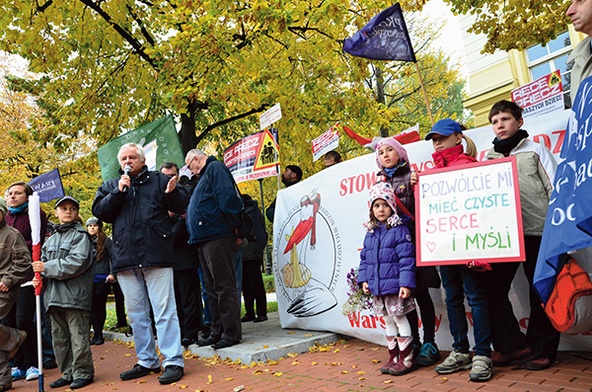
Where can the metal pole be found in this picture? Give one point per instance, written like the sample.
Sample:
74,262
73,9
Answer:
266,259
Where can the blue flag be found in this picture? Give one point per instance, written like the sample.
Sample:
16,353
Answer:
48,186
569,217
385,37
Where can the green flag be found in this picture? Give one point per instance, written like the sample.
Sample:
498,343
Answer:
159,139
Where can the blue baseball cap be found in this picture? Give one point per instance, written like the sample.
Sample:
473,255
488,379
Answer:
445,127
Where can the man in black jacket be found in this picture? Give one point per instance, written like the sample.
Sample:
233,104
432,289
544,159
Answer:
187,286
137,204
292,175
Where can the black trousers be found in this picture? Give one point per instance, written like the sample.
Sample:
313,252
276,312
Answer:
253,289
189,305
119,304
216,259
428,317
98,312
506,333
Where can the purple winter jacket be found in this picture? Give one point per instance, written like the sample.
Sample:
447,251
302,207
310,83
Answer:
387,260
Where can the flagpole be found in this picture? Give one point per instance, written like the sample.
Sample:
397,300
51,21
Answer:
35,222
425,93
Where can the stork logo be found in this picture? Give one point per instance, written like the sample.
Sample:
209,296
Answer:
305,273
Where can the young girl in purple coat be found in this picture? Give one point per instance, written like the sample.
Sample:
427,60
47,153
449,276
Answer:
393,162
387,271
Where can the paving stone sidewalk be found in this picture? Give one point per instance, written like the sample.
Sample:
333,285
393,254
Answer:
346,365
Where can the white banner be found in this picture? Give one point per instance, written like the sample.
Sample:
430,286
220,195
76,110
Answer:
318,234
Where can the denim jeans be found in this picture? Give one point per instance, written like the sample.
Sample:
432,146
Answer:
459,281
141,288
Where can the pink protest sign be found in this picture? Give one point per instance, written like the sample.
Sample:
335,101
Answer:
469,212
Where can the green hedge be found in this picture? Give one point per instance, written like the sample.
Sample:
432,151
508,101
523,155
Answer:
268,283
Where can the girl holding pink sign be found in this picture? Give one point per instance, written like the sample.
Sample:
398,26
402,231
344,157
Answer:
462,280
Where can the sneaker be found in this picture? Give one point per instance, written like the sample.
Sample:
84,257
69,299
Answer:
428,354
481,369
454,362
18,374
32,373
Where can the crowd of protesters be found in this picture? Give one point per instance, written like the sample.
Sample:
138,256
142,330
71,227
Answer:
179,241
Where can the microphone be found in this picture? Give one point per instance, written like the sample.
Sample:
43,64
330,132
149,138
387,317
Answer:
126,171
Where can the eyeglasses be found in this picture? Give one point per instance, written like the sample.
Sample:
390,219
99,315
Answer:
191,162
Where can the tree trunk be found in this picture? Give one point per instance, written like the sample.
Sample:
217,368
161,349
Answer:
380,96
187,135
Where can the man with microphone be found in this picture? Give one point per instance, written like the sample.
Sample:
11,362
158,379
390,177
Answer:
137,204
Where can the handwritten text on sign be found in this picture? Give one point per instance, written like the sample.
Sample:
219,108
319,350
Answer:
469,212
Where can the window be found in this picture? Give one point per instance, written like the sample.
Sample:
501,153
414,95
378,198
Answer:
542,60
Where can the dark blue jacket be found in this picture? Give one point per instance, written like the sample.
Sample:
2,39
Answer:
215,205
387,260
141,224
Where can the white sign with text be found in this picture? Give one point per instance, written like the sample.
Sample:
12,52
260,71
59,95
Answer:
469,212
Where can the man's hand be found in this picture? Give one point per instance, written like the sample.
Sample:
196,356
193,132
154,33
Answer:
172,184
3,288
124,182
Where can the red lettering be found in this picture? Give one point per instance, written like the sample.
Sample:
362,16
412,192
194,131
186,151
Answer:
359,183
382,322
343,187
438,322
546,140
354,319
357,320
560,140
449,223
482,155
431,227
